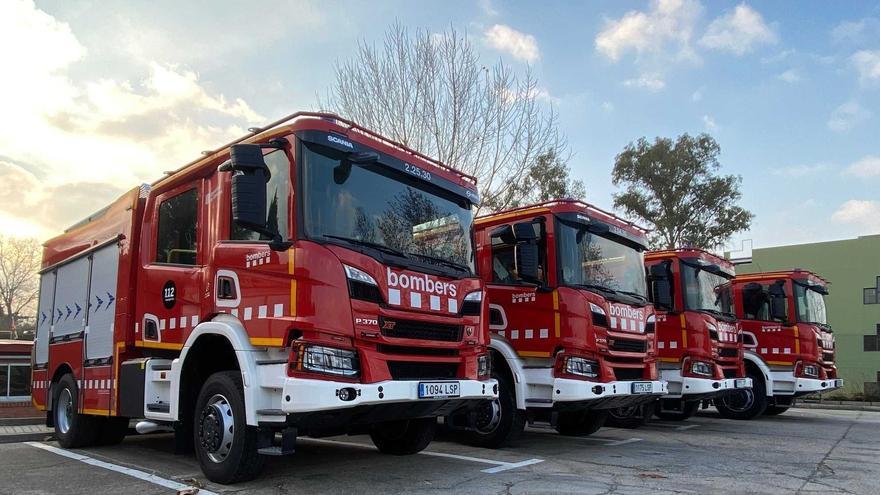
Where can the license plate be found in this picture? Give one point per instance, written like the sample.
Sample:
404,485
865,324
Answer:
741,383
434,390
643,387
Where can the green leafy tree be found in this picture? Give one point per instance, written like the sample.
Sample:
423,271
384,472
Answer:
673,185
547,178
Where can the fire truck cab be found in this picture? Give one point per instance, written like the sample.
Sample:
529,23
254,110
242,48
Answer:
572,327
698,337
312,278
789,346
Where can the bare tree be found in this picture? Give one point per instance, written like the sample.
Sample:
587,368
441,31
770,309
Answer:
19,283
431,93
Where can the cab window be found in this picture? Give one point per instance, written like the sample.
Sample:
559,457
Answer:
504,261
176,237
277,193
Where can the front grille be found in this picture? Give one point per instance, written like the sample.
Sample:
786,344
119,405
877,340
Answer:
628,373
404,370
407,329
828,356
625,345
728,352
415,351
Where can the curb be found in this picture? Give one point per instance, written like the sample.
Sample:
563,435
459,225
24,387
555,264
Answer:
837,407
37,420
26,437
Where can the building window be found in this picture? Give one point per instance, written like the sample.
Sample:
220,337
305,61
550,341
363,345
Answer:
872,342
871,295
15,382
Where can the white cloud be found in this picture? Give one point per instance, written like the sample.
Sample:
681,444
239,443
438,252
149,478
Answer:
650,82
868,166
111,133
668,22
488,8
738,32
779,57
709,123
697,95
791,76
855,31
607,106
847,116
506,39
867,64
864,214
798,171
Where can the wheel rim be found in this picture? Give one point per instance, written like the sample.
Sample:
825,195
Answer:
739,401
488,416
64,411
217,428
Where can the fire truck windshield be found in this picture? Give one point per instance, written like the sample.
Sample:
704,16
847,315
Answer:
368,204
706,291
810,305
588,259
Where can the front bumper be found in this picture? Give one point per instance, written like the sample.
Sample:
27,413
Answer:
691,388
609,395
785,383
303,395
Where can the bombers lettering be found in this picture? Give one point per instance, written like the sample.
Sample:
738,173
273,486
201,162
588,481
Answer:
420,283
627,312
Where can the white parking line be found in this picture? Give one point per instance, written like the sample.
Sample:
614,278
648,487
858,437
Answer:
676,426
686,427
499,465
134,473
623,442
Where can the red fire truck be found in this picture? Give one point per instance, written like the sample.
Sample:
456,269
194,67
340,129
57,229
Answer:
698,337
789,347
572,328
312,278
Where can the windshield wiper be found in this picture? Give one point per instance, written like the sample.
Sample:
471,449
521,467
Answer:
441,261
374,245
633,294
600,288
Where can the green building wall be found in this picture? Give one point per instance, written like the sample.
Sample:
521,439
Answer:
851,266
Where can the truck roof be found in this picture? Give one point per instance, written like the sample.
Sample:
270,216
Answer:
562,206
794,274
691,253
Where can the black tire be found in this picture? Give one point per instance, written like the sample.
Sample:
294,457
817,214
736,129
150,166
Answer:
744,404
403,437
499,422
225,456
580,423
775,410
684,411
71,428
113,430
630,417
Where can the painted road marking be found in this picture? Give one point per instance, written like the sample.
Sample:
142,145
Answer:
134,473
686,427
499,465
675,426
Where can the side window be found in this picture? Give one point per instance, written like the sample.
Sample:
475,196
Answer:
277,192
504,261
176,238
756,303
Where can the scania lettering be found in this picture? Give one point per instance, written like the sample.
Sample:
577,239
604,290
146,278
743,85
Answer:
276,287
572,328
789,346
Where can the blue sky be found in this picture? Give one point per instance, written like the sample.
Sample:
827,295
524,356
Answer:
126,90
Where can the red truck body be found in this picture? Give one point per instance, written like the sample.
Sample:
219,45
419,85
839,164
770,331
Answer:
332,326
699,339
789,346
587,304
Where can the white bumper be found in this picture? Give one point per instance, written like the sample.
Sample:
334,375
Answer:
304,395
785,383
568,390
680,386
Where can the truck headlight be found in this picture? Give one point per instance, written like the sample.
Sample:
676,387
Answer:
701,368
328,360
651,323
810,370
361,285
472,303
484,365
579,366
600,319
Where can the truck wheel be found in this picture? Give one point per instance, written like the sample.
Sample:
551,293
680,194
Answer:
71,428
403,437
775,410
580,423
225,445
685,411
630,417
113,430
498,422
746,403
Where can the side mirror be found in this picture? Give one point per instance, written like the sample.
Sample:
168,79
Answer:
778,309
526,256
661,286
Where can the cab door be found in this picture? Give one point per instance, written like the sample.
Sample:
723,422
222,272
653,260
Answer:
173,264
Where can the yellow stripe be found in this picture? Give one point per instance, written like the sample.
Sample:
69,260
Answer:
290,266
119,345
668,360
96,412
158,345
797,341
556,317
784,363
533,354
514,214
267,342
684,335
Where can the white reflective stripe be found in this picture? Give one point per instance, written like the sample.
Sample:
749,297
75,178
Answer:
172,323
279,310
453,305
529,333
394,296
415,299
234,313
544,333
435,303
673,345
514,334
661,345
613,322
194,320
623,323
262,311
248,313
